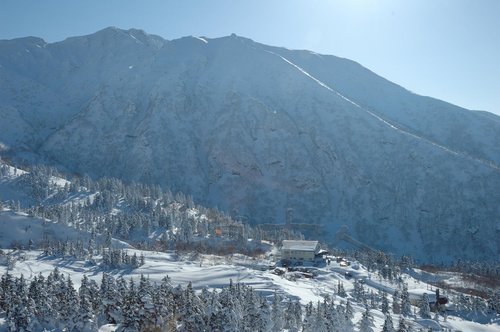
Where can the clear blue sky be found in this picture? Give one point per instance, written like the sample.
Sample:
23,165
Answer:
448,49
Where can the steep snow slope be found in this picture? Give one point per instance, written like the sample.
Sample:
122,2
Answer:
256,130
455,127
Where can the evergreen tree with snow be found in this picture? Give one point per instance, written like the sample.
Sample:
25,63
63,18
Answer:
108,294
163,302
6,291
385,304
293,316
69,305
330,313
396,302
366,322
318,323
403,325
20,317
348,314
191,311
213,307
86,320
388,325
263,323
424,309
307,322
340,290
405,301
373,300
43,302
131,309
250,308
227,317
56,289
277,316
359,292
145,295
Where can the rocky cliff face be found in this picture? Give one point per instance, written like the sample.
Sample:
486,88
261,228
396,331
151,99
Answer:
256,130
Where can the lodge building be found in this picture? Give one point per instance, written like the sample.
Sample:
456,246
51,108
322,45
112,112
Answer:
299,250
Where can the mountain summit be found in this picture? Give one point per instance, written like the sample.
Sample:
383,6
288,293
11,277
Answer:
258,131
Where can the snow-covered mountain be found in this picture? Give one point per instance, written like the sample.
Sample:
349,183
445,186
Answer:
257,130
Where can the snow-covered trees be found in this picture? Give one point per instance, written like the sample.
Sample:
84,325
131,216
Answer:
107,208
293,316
358,293
86,320
325,316
385,304
424,309
403,325
277,314
405,302
366,322
388,325
340,290
396,302
21,317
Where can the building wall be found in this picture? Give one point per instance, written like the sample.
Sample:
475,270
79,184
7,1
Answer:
298,254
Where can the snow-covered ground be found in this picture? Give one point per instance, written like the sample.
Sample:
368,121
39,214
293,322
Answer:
215,272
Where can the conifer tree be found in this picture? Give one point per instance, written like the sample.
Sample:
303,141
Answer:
403,325
405,301
340,290
108,296
6,291
359,292
307,323
373,300
424,309
264,316
318,323
396,305
332,319
43,306
144,293
69,305
191,311
277,316
388,325
250,311
349,311
20,317
227,315
366,322
162,302
86,320
293,316
346,316
131,309
385,304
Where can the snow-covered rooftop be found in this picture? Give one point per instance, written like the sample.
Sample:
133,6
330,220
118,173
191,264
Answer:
299,245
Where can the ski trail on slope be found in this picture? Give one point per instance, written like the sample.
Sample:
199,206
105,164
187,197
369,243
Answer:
488,163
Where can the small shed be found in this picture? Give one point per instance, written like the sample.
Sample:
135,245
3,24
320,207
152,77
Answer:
299,250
